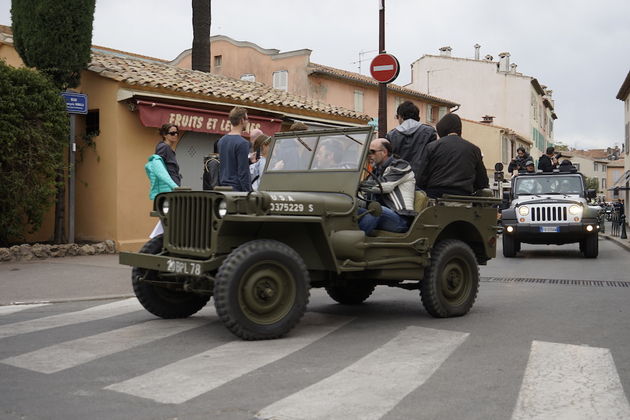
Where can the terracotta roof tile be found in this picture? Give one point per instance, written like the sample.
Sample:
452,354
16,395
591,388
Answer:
357,77
144,71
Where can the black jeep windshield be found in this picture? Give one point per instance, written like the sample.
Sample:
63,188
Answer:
317,153
554,184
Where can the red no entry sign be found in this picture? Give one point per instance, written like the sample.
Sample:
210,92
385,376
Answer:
384,68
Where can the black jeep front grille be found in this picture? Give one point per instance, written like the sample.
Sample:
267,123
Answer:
189,223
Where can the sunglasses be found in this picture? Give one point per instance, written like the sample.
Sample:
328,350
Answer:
372,151
173,133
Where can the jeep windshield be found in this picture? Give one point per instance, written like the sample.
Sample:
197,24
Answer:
311,152
553,184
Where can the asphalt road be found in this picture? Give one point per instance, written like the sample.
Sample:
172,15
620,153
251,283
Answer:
533,346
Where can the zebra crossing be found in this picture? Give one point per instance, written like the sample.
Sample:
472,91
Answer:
560,381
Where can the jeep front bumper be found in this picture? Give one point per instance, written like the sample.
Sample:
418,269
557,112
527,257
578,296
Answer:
170,264
550,233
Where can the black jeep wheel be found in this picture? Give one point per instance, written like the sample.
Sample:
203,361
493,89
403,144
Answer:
161,301
261,290
590,246
509,246
351,292
451,282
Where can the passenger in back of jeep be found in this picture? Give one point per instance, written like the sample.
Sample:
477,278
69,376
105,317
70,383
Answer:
451,164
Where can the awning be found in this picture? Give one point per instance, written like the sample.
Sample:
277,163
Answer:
622,182
154,114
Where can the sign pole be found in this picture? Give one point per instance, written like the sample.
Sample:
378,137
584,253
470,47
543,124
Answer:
71,178
382,87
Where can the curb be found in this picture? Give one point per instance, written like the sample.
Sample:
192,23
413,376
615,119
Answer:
79,299
620,242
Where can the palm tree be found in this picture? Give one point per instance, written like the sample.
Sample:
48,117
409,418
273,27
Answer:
201,35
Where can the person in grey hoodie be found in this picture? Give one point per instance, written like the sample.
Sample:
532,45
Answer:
410,138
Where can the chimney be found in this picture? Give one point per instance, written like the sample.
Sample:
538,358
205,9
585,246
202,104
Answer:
488,57
446,51
487,119
549,93
477,47
504,61
513,68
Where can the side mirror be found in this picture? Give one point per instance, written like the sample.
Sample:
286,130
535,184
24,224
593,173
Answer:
498,166
590,193
506,196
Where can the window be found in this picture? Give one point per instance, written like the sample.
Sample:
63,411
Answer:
431,113
595,167
627,138
248,77
218,60
603,184
281,80
505,152
441,112
92,127
577,166
358,100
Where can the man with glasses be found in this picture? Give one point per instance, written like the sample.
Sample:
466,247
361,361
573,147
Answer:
234,154
392,184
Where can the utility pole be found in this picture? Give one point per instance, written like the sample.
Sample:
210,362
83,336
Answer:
382,87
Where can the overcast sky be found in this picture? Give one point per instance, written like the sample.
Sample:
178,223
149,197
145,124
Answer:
578,48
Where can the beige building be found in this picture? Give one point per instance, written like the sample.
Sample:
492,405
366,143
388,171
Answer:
129,97
294,72
624,181
485,87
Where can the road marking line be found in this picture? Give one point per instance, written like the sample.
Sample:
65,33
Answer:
76,352
188,378
61,320
10,309
565,381
376,383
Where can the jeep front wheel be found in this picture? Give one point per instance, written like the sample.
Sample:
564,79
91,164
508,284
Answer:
261,290
510,246
351,292
450,284
158,300
590,246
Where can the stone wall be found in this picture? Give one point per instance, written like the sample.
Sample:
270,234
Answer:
42,251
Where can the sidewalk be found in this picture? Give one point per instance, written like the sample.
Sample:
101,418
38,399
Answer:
624,243
86,277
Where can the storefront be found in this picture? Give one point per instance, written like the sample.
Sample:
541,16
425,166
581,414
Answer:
129,97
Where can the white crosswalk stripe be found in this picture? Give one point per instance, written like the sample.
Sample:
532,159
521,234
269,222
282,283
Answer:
91,314
564,381
76,352
10,309
372,386
196,375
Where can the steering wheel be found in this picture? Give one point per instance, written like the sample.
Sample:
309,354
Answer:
378,183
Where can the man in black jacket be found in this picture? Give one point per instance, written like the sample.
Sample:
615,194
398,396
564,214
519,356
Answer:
548,161
452,165
410,138
520,161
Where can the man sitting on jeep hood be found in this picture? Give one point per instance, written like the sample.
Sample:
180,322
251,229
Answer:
398,185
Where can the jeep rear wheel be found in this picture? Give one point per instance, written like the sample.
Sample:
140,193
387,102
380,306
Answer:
451,282
261,290
351,292
160,301
590,246
510,246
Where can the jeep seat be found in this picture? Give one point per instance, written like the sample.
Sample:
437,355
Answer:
420,201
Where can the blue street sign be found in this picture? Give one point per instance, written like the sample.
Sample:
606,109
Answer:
76,103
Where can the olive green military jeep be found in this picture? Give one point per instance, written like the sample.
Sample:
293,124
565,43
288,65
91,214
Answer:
259,253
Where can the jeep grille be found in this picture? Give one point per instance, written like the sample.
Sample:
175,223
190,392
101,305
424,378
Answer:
549,214
189,224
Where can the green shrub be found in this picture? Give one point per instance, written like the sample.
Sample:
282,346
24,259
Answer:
33,131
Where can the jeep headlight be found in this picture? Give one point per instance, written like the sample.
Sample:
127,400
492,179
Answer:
164,206
575,209
221,208
523,210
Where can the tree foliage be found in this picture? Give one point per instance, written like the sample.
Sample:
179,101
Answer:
55,36
33,130
591,183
